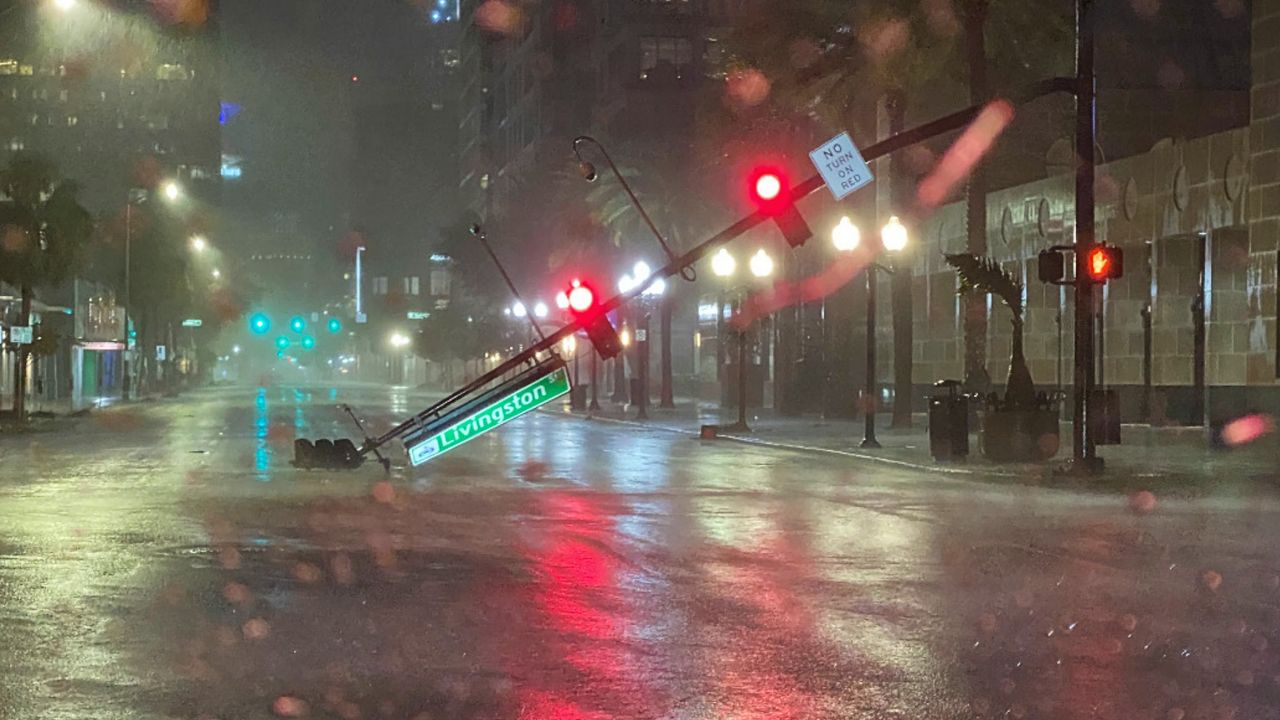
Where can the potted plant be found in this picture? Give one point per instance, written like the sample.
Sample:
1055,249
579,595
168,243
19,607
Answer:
1023,425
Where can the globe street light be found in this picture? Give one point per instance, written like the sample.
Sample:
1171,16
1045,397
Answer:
761,264
217,273
399,340
198,243
845,236
540,310
519,310
64,5
894,235
562,300
723,264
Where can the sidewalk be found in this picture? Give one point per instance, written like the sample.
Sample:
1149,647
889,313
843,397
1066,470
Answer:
1165,455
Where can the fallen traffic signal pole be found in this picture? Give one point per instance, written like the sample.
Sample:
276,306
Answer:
339,454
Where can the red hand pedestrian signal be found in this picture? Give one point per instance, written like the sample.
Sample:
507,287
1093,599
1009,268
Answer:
582,303
1104,263
770,191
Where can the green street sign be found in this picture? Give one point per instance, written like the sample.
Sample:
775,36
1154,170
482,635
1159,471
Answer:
500,412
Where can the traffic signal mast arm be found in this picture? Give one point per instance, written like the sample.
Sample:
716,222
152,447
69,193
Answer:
907,138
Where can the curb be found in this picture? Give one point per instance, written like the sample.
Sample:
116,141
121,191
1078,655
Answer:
796,447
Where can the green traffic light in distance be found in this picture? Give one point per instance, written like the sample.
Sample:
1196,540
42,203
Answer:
308,342
297,324
259,324
282,342
335,325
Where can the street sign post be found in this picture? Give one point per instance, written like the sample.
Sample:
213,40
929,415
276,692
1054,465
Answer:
192,323
841,166
501,411
21,335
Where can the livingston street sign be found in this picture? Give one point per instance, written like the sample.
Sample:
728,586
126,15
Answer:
500,412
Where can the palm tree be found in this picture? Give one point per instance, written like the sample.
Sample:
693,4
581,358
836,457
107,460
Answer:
678,213
835,59
43,232
984,276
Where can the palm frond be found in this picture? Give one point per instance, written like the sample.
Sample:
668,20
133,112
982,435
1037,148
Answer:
984,275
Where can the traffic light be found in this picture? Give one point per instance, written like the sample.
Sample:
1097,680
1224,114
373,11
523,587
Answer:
282,342
335,325
770,191
583,305
259,324
308,342
1103,263
297,324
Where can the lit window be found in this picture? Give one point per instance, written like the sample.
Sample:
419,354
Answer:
8,67
35,119
380,285
72,121
26,70
672,55
62,95
440,282
172,72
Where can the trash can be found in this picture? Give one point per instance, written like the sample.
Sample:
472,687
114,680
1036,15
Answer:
948,422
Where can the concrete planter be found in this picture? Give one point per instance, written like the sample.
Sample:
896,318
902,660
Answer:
1020,435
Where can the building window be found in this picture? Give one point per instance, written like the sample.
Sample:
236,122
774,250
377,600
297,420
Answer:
665,56
380,285
72,121
172,72
17,144
26,70
440,282
62,95
35,119
8,67
412,285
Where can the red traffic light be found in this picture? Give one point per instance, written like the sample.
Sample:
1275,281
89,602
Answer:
769,190
581,299
1104,263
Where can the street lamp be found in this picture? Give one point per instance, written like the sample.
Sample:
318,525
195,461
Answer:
845,236
893,239
172,190
64,5
198,243
217,273
761,264
540,310
519,310
894,235
399,340
562,300
723,264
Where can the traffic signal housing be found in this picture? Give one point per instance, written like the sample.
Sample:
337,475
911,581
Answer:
586,310
770,191
1051,266
1103,263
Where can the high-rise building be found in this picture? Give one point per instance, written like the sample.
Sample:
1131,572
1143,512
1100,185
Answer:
116,96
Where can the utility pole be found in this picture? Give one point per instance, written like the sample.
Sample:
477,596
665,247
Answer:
1083,444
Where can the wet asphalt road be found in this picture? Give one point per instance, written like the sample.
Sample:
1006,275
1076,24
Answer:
165,561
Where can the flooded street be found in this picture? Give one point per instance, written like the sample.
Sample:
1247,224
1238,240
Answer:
166,561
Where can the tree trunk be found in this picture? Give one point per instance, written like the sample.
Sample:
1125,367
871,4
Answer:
668,399
900,284
1020,389
977,378
20,367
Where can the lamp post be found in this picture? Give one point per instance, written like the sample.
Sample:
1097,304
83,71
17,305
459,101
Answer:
893,239
648,298
723,266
